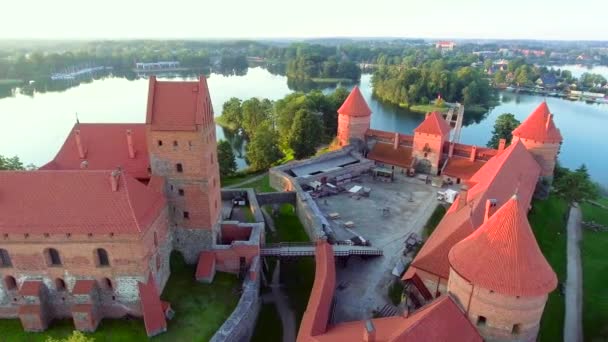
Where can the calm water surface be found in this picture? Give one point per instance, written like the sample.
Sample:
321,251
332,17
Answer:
34,127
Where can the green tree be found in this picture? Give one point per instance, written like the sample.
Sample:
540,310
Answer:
232,113
503,129
305,134
13,163
575,186
255,112
76,336
226,158
263,148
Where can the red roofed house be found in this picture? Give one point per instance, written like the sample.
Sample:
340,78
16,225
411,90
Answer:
96,225
354,118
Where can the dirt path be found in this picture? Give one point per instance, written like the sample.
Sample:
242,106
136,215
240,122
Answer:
288,317
574,282
248,180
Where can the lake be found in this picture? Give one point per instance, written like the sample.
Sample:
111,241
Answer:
34,127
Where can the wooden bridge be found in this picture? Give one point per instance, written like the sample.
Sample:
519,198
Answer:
286,249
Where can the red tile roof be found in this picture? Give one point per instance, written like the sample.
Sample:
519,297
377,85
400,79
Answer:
355,104
502,255
434,124
75,202
206,265
31,288
462,168
152,307
106,148
498,179
441,320
84,286
385,153
178,106
539,126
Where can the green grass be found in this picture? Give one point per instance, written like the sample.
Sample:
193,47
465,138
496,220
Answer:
260,185
289,228
240,176
395,291
200,309
595,268
10,82
433,221
427,108
268,327
548,221
331,80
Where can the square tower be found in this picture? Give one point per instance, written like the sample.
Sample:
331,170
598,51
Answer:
183,149
429,138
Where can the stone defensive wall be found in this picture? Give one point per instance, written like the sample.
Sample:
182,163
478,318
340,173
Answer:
240,325
254,206
283,178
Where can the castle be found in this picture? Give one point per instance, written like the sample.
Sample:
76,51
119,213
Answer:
88,236
480,275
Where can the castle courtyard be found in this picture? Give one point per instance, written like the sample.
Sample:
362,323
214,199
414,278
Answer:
386,218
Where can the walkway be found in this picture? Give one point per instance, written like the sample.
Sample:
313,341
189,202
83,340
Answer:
288,317
308,249
246,181
574,282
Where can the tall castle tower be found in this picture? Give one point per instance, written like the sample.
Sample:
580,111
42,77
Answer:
429,137
354,118
183,150
541,137
500,277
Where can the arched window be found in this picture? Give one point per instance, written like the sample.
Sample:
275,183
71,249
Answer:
5,259
102,257
52,257
10,282
106,283
481,321
59,284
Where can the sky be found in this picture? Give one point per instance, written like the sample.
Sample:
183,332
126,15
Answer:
203,19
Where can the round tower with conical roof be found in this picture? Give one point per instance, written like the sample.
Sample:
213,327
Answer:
541,137
354,117
500,277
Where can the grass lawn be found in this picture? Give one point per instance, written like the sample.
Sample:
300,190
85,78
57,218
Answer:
200,310
10,82
595,268
548,220
427,108
331,80
238,177
260,185
433,221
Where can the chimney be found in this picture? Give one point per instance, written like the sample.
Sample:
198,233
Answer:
462,196
396,142
130,144
369,334
114,178
473,153
82,153
549,117
490,205
451,150
501,144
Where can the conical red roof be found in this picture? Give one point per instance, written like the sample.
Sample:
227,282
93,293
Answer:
355,104
539,126
434,124
502,255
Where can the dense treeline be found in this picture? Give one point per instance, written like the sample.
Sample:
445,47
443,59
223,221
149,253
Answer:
318,61
407,86
292,126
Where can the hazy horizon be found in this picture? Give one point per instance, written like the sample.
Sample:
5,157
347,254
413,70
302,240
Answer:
315,19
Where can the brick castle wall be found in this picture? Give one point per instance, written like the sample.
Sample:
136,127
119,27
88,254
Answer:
544,153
